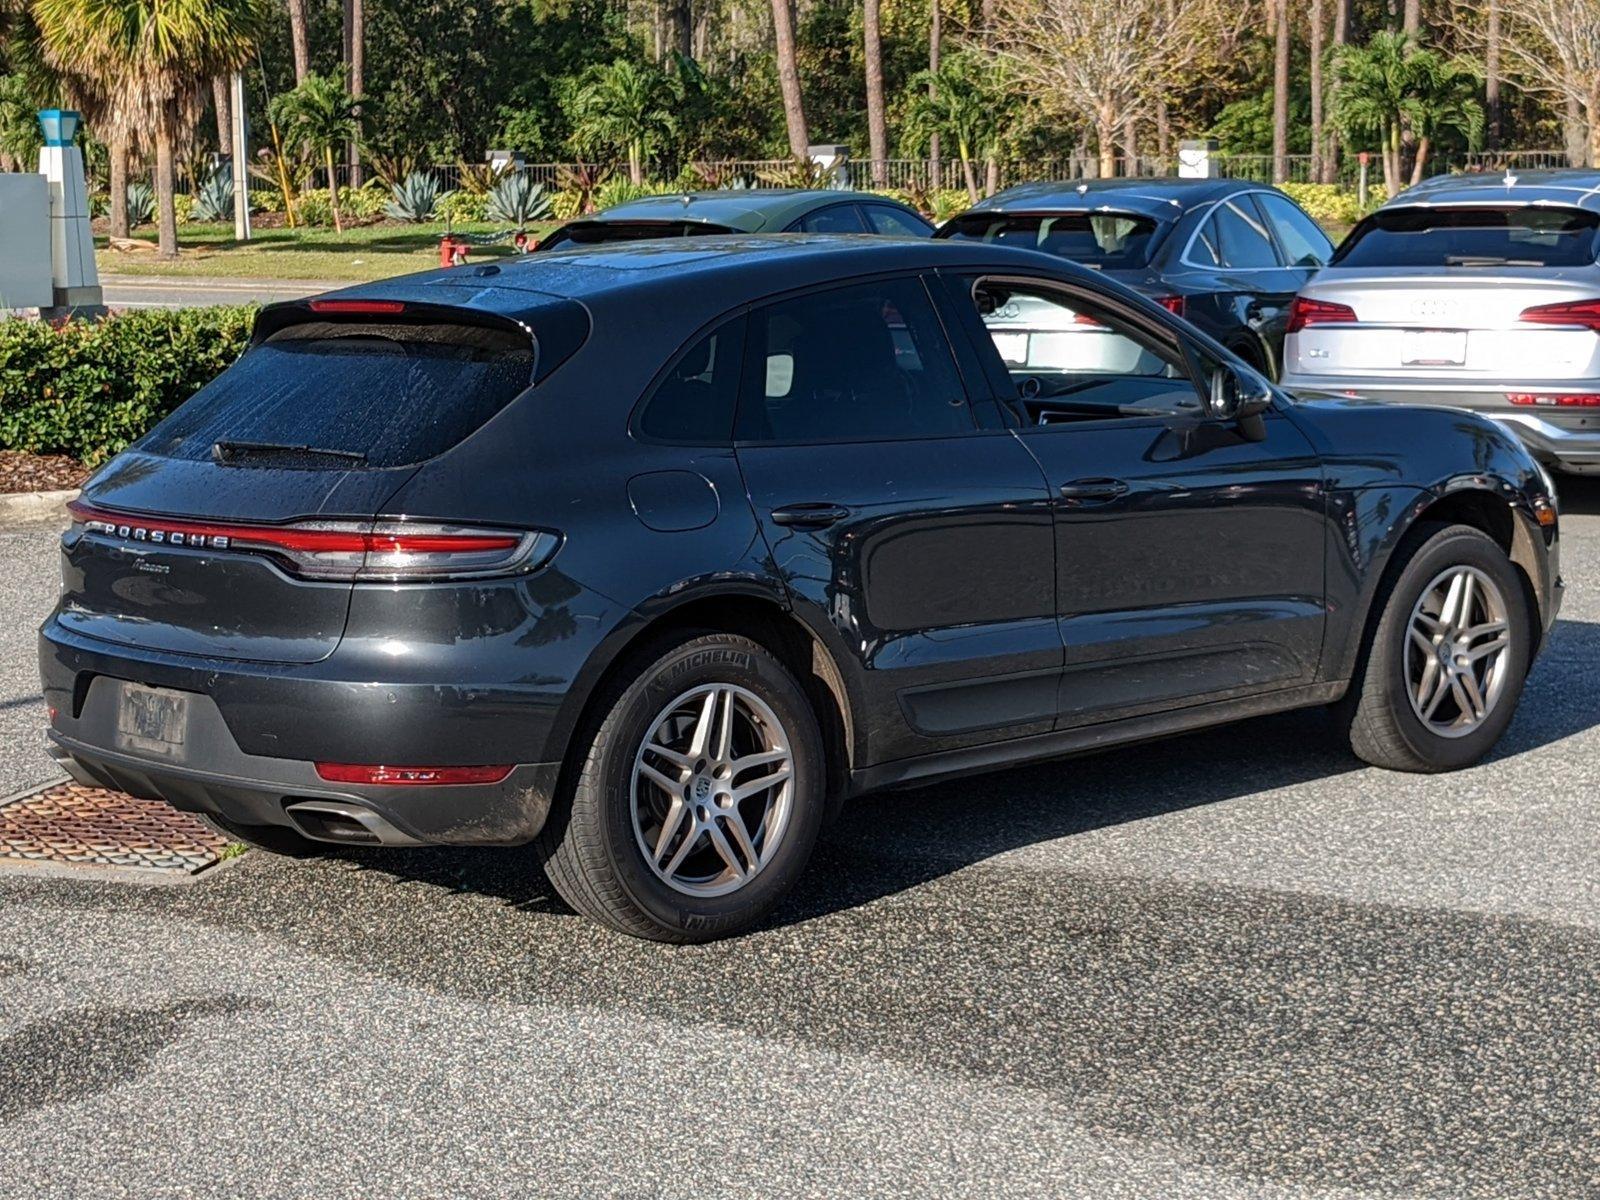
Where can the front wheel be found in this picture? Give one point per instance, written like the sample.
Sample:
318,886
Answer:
1447,659
700,797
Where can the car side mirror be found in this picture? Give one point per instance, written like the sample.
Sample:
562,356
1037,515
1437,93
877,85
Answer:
1237,394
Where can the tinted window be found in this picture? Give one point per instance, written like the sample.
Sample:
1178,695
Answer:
850,364
590,233
841,218
884,219
1111,241
395,394
1472,237
695,402
1234,236
1303,242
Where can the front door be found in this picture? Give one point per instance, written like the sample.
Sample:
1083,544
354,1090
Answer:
1189,551
918,542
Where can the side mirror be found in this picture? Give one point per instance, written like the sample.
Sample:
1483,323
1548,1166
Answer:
1237,393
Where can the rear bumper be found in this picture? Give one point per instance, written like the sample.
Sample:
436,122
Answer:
1572,445
213,773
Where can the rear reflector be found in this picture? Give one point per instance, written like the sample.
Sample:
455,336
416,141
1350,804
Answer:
354,550
1540,400
1304,312
1584,313
359,306
409,776
1173,304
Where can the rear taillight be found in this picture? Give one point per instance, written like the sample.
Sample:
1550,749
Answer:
358,307
1173,304
1552,400
1580,313
1081,318
408,776
1304,312
387,551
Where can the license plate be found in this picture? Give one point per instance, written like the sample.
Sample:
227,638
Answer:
1433,348
1013,347
152,720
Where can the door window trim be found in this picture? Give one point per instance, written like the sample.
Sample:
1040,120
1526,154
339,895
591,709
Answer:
1272,236
735,321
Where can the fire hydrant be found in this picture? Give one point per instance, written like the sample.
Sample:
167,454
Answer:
451,252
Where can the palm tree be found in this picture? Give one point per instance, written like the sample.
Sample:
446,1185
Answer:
299,39
625,106
877,120
319,115
355,79
1280,91
794,109
148,60
959,100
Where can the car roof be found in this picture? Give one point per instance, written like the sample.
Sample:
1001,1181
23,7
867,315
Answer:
1568,188
748,210
1163,199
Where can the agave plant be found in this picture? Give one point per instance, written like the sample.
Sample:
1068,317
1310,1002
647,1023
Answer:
141,204
518,200
415,198
214,199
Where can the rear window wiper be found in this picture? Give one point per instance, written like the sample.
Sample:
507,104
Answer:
229,452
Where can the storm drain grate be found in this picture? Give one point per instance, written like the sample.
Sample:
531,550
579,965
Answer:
86,826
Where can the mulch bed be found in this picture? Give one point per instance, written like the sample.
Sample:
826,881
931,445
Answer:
24,472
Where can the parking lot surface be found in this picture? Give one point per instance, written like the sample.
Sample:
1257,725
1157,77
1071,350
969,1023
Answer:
1235,964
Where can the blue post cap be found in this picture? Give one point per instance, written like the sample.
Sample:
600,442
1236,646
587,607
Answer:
60,125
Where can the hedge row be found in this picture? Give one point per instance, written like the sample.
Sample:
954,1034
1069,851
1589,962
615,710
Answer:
91,387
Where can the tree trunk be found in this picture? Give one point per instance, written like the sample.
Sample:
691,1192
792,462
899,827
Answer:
794,112
1593,114
1391,161
166,210
1130,144
299,39
636,164
1280,91
1316,90
1411,23
355,48
1105,133
117,151
1491,76
333,191
1341,37
222,101
935,49
1422,160
680,28
877,120
966,169
1576,136
991,176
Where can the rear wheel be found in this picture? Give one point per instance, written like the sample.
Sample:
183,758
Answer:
1445,666
700,796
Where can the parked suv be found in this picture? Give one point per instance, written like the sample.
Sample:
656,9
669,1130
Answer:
655,553
1475,291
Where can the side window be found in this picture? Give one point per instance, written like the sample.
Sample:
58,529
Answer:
1067,357
850,364
1304,244
884,219
840,218
1235,235
695,402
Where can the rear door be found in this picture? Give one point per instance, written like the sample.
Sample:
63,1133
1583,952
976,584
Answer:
300,442
1248,306
1189,551
916,534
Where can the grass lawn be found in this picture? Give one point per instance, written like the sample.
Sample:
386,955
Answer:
364,252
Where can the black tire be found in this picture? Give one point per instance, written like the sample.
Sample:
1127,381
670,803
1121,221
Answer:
274,839
1376,714
589,848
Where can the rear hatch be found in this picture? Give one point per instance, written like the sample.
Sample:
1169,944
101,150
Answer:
1456,293
238,526
1104,240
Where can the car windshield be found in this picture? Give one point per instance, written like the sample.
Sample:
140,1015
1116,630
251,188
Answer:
1110,241
590,233
1522,236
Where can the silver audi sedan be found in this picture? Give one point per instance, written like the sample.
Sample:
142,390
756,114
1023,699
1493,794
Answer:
1475,291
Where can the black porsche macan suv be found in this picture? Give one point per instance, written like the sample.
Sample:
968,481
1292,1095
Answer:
656,553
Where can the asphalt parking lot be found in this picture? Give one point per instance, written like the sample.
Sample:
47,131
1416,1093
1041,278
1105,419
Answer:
1236,964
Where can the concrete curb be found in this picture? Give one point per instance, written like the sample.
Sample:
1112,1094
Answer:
34,509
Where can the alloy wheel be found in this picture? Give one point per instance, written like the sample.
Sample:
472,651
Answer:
1456,652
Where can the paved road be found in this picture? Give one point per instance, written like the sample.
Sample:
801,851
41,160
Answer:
149,291
1234,965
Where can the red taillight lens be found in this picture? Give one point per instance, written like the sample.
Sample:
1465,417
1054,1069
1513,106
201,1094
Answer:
409,776
1305,312
353,550
1080,318
1543,400
1173,304
1584,313
358,307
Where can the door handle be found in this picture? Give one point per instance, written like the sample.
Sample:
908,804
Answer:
814,515
1093,491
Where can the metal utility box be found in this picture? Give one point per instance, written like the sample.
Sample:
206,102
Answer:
25,271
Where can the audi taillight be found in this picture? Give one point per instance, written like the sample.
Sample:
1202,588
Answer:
382,551
1580,313
1173,304
1555,399
1304,312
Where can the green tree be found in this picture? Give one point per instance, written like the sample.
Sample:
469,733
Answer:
623,106
319,116
959,101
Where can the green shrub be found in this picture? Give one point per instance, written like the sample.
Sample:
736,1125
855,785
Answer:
312,208
620,190
90,388
1331,204
365,202
183,208
947,202
214,200
567,204
518,200
462,205
141,204
414,198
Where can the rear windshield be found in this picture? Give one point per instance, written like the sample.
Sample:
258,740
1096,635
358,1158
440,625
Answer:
1111,241
589,233
1524,236
376,395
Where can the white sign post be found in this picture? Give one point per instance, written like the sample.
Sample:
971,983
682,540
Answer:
75,280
